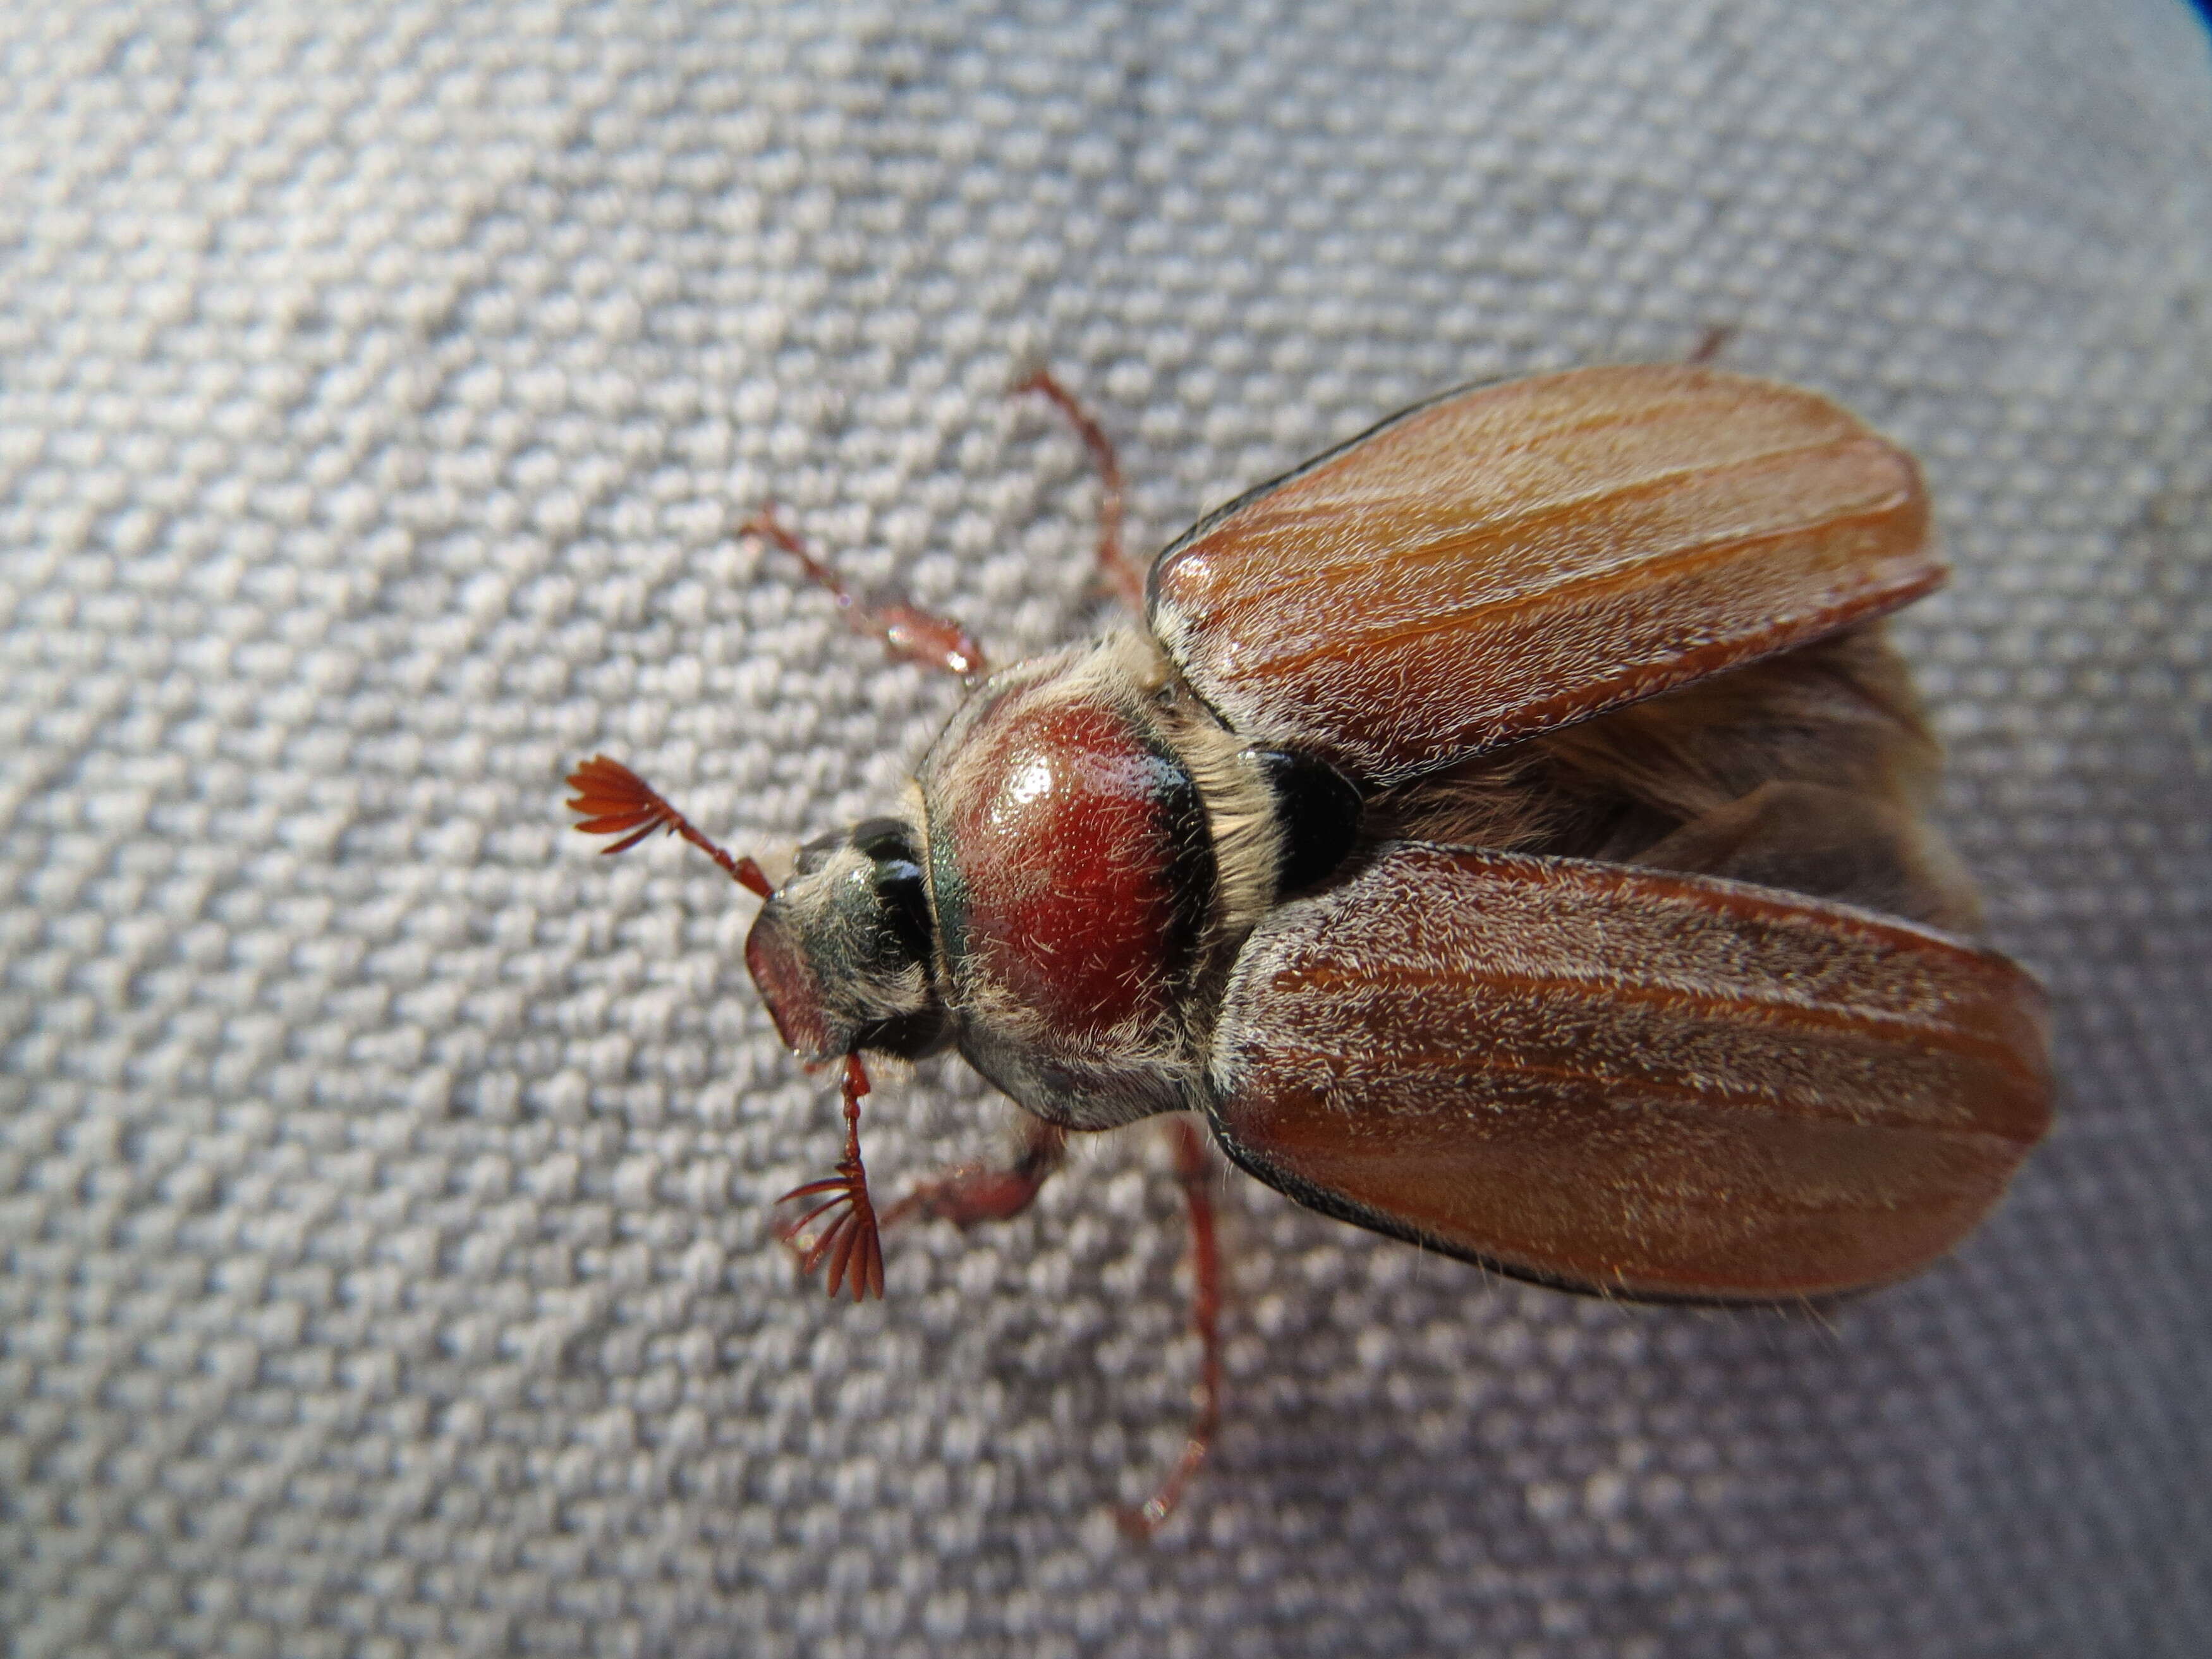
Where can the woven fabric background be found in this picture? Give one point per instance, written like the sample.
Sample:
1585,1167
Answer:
383,1177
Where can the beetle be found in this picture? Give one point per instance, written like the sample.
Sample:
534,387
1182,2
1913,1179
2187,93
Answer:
1507,832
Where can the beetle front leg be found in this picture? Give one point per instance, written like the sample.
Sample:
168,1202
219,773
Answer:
989,1192
909,634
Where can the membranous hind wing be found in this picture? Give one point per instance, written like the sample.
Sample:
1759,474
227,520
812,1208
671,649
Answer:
1508,559
1628,1081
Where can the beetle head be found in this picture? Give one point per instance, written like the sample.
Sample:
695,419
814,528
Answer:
842,952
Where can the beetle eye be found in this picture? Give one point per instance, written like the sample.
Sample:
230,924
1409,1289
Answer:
815,854
896,877
883,840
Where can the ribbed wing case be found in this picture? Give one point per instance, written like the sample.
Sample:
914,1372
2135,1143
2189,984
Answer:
1625,1080
1508,559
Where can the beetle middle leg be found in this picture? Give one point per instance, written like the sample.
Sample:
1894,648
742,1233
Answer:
981,1192
1121,572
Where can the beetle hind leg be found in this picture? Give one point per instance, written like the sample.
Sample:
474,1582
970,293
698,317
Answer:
979,1192
1140,1522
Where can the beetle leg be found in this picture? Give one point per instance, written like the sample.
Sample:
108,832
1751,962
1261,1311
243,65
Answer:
1142,1521
1713,342
614,801
1121,574
908,632
850,1242
985,1192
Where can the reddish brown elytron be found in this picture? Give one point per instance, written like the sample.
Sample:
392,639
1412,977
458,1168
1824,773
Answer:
1507,830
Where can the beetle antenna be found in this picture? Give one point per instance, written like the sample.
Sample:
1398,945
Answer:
614,801
850,1242
1142,1521
908,632
1120,572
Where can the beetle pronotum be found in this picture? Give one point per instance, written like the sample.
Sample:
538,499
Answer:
1507,832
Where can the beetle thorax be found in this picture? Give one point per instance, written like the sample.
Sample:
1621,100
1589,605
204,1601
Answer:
1075,815
1088,847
